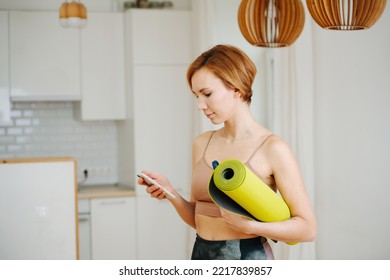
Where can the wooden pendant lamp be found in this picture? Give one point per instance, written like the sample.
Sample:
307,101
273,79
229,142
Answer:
73,14
271,23
346,14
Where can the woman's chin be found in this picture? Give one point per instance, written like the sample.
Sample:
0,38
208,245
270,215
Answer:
215,122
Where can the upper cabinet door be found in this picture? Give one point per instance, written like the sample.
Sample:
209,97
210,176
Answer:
5,106
156,34
103,68
44,57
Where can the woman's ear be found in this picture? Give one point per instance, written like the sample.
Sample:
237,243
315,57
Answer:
237,93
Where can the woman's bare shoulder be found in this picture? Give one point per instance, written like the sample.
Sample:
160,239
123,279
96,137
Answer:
276,146
203,138
199,144
279,151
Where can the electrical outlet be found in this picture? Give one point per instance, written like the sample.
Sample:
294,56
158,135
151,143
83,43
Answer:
95,174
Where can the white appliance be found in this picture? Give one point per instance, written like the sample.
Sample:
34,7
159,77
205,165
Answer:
38,210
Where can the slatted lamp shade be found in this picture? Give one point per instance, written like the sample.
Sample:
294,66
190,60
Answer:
271,23
73,14
346,14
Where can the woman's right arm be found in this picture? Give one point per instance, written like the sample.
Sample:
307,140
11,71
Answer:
185,208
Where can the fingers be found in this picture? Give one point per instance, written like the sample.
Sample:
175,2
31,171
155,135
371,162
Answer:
141,181
150,174
155,192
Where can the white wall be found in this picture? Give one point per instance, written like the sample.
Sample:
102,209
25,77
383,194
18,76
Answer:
352,136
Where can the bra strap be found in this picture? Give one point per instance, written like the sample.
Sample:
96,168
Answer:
261,145
208,142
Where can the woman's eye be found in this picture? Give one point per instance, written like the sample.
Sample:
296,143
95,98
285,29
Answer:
206,94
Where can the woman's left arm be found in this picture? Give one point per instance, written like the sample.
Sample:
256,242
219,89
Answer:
301,227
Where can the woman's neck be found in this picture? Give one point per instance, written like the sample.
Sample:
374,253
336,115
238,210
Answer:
239,129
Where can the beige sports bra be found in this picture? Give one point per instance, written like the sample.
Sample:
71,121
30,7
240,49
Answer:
200,182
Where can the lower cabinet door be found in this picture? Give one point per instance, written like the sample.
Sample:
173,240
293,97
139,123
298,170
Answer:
113,234
84,237
162,235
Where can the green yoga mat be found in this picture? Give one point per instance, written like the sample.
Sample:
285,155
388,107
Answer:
236,188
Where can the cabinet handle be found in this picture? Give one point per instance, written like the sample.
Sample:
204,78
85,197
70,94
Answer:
85,219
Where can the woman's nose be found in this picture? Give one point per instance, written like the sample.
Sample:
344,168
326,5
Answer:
201,104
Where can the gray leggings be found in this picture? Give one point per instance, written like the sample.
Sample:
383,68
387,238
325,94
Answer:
241,249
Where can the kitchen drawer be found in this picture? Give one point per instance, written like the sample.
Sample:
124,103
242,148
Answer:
83,206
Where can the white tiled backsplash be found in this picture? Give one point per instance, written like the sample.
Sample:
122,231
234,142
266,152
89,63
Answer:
50,129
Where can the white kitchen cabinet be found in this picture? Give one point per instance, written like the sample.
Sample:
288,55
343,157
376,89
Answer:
162,235
5,105
113,228
159,123
103,68
160,103
44,57
162,132
160,37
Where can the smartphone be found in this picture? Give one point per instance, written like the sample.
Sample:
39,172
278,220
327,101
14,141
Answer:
150,181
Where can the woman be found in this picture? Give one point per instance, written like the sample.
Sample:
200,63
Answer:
221,80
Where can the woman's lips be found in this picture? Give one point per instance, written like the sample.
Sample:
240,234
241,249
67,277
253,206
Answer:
210,115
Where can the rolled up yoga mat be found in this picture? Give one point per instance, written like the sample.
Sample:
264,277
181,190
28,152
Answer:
236,188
